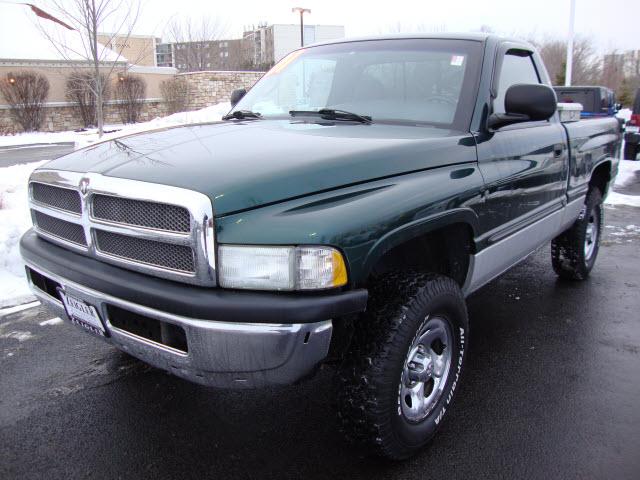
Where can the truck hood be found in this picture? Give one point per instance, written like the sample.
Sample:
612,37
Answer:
243,165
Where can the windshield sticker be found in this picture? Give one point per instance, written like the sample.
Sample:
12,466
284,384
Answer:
457,60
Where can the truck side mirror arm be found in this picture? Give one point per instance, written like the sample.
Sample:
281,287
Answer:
498,120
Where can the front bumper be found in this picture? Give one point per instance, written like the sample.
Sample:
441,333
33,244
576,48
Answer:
228,354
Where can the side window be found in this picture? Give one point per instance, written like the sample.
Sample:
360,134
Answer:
515,69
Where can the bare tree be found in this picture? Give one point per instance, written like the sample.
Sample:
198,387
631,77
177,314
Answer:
587,66
25,92
79,90
175,93
632,71
77,39
192,41
130,93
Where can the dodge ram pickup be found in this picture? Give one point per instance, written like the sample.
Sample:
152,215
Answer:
340,213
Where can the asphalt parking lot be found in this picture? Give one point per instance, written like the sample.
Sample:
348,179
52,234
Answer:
551,390
16,155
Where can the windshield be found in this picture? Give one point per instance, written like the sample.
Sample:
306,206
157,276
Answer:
406,80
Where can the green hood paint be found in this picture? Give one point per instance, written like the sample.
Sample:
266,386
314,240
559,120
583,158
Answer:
243,165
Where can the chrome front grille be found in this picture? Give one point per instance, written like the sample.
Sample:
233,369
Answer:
71,232
150,252
127,222
56,197
141,213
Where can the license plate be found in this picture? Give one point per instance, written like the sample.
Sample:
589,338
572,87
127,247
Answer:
629,129
83,314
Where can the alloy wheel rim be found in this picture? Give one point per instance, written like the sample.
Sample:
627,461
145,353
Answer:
591,236
426,369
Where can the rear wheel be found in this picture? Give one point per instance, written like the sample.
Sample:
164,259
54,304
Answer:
404,364
574,252
630,151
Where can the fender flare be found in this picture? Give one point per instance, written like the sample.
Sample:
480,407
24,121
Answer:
416,228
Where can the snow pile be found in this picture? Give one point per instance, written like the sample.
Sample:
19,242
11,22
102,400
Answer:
213,113
615,198
628,173
625,114
14,220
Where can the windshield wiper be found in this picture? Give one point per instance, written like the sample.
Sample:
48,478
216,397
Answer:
241,115
333,114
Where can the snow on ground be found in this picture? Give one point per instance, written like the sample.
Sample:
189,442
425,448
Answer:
82,139
53,321
14,220
615,198
625,114
628,172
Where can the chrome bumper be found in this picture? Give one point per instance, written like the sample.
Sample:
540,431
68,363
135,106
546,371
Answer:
219,354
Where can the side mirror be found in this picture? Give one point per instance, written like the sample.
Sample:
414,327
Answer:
237,95
525,103
617,107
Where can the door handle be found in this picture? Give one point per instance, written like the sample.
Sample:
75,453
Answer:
557,150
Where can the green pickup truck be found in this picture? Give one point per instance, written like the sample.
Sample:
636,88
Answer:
339,214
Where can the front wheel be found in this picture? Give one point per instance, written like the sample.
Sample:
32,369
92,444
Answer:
574,252
404,364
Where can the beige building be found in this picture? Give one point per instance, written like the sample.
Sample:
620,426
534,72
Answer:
40,56
137,49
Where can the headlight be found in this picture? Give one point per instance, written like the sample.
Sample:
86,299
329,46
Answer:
280,268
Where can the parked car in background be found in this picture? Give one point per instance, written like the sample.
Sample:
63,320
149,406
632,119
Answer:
340,213
632,131
596,101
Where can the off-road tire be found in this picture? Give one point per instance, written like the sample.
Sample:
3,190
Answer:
368,381
630,151
568,249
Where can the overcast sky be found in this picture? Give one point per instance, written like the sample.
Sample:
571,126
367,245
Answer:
613,24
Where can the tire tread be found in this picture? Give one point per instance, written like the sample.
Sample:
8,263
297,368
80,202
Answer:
362,381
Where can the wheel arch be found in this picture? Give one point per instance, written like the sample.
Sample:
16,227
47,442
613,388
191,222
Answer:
601,176
452,232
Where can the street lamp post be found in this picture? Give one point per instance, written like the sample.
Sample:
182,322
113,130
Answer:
569,65
302,11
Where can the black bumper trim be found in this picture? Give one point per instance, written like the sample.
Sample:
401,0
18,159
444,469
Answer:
189,300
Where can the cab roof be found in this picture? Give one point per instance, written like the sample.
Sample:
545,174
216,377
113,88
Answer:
468,36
